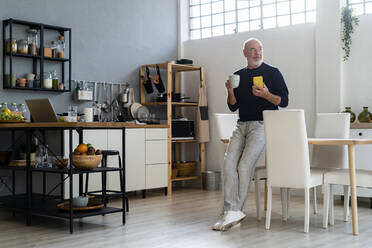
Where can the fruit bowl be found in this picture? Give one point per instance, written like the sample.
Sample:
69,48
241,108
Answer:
86,162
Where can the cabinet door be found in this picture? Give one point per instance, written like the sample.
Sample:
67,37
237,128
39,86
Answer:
114,142
135,159
156,152
362,156
156,176
98,139
156,133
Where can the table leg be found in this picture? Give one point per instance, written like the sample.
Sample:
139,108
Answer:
354,207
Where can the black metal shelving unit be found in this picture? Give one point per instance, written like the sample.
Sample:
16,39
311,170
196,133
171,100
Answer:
35,58
45,204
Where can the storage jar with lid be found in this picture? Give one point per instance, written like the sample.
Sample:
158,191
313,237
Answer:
14,108
4,105
33,41
61,47
12,45
48,82
22,109
22,46
53,46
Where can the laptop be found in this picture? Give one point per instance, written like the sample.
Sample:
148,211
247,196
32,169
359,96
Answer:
41,110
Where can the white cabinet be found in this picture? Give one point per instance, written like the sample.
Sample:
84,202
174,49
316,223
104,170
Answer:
146,157
363,156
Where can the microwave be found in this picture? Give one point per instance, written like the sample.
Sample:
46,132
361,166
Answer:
183,129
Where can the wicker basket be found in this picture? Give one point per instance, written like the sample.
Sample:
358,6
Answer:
185,169
174,172
86,162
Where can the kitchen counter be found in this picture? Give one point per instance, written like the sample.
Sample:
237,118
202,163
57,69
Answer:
66,125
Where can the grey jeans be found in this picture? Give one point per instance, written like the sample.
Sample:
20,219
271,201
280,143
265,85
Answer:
245,147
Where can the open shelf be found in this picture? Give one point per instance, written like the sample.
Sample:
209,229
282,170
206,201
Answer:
185,178
184,104
47,206
34,89
184,141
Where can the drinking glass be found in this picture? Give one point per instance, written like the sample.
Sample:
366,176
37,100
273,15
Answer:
72,113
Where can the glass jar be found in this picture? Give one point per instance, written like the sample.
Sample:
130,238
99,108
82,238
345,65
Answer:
48,82
4,105
365,115
13,46
13,107
22,109
53,45
33,41
22,46
55,80
61,47
352,114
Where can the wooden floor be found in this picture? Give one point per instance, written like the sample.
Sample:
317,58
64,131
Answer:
185,220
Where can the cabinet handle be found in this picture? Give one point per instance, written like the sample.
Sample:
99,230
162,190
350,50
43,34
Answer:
360,134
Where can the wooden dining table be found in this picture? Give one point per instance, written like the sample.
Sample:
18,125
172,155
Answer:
351,143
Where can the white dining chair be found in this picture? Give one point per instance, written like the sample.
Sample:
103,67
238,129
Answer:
226,124
326,158
287,157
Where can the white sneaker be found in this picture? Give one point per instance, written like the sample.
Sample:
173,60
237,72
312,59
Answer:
232,218
217,226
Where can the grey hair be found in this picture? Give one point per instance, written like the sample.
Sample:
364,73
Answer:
251,39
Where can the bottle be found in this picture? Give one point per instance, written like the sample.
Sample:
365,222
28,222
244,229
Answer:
365,115
352,114
48,83
39,155
55,80
13,107
61,47
53,45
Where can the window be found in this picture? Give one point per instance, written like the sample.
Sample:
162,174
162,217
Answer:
210,18
361,6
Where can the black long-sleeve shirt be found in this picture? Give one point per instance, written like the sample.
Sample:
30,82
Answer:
251,106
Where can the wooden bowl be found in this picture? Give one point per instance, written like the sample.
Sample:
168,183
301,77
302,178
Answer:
61,162
185,169
86,162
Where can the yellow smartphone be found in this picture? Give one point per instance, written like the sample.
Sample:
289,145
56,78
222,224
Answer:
258,81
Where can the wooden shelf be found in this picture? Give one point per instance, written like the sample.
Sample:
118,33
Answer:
30,56
172,83
182,104
35,89
185,141
185,178
358,125
175,67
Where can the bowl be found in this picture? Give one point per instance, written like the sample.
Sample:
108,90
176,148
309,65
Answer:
80,201
5,157
86,162
61,162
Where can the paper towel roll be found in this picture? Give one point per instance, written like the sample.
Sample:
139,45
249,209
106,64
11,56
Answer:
88,114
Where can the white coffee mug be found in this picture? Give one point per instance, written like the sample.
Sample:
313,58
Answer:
234,80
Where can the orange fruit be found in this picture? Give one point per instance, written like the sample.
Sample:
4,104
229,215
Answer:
84,154
83,148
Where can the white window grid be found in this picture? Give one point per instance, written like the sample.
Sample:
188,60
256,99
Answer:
361,7
231,23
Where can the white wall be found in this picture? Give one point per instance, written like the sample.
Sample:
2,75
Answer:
357,72
291,49
309,58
